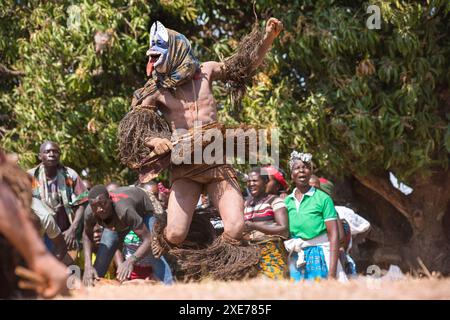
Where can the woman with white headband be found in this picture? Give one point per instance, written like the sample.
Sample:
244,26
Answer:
312,225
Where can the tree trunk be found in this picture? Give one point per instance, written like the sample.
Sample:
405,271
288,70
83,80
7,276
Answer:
389,232
425,210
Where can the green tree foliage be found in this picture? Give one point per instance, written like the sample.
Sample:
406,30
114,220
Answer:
82,62
364,100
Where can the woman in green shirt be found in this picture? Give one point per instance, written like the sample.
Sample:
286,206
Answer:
312,220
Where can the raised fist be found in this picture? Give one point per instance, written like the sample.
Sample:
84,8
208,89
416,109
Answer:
274,27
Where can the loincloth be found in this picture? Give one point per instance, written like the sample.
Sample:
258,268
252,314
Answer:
185,145
204,173
150,167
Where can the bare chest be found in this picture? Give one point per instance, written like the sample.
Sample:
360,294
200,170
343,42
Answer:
187,103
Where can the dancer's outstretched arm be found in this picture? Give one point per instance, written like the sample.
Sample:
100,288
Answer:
273,29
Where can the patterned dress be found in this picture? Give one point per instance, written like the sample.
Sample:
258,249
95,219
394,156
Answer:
273,261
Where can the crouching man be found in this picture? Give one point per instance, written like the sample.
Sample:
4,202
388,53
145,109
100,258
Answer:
125,209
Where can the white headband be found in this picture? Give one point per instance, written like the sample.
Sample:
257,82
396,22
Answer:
305,157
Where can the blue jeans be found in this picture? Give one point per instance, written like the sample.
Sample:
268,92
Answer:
110,242
49,244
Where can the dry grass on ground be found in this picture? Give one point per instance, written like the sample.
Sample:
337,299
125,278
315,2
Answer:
362,288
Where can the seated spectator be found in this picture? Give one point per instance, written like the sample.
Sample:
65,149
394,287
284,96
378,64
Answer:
266,224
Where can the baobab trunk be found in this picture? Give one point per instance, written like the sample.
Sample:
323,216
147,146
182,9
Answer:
426,209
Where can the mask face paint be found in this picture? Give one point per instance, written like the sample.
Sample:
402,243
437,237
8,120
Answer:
159,44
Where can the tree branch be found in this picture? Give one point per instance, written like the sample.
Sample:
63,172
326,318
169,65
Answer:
5,72
384,188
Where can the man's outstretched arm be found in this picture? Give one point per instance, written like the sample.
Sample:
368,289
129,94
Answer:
90,274
273,29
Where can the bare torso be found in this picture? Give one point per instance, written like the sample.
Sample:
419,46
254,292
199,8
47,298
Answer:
179,109
179,106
